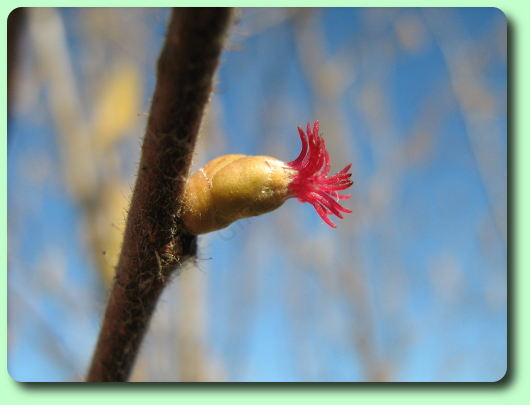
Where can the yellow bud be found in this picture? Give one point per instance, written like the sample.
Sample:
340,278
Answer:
232,187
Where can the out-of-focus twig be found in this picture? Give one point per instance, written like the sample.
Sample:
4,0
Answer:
155,244
477,105
49,336
328,80
47,33
15,22
85,163
48,36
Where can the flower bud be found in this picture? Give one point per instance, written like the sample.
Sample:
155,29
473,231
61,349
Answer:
232,187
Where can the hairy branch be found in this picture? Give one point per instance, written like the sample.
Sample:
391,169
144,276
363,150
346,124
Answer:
155,244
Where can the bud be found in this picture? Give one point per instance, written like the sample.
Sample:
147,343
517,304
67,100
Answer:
232,187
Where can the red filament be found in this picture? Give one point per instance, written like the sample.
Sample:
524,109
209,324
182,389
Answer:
312,183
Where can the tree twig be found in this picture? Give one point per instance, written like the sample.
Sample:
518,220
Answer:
155,244
15,24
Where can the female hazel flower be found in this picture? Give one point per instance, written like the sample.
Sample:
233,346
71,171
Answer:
232,187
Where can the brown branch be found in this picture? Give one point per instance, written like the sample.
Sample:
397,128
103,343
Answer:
155,244
15,25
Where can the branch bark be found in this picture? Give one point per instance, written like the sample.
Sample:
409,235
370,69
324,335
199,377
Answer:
16,22
155,244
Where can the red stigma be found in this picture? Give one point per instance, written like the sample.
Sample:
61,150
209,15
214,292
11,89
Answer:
312,183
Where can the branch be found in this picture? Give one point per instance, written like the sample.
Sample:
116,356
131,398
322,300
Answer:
155,244
15,25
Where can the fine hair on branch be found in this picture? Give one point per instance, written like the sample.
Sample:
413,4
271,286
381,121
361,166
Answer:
155,244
